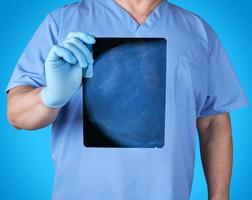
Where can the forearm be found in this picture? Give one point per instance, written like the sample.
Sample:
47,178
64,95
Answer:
216,154
26,109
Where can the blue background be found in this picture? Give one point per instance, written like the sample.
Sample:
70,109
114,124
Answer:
26,170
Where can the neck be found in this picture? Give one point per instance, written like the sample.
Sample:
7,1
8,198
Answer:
139,9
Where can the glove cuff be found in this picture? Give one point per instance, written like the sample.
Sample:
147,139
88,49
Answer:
49,101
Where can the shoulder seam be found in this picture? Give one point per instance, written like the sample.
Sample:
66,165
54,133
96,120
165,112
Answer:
57,23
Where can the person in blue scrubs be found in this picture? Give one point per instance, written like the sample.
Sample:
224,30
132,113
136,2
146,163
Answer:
201,89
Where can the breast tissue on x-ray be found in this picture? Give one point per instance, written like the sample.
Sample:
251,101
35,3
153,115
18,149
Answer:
124,101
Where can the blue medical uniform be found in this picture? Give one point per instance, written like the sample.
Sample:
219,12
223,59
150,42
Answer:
200,81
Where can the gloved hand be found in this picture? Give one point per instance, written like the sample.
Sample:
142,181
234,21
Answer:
63,68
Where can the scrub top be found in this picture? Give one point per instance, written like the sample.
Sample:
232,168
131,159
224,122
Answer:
200,81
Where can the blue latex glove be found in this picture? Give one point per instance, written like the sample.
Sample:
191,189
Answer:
63,68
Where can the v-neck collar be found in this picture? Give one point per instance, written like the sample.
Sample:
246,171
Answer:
151,20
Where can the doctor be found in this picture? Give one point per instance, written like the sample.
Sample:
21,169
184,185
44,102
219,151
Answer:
201,89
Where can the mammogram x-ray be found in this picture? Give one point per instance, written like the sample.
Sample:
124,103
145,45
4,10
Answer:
124,101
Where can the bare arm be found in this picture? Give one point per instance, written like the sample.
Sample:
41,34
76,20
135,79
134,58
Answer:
26,110
216,154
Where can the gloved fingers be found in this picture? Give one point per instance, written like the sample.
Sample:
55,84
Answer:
78,43
89,72
84,37
77,53
58,52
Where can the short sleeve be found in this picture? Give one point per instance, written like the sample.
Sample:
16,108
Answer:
224,92
29,69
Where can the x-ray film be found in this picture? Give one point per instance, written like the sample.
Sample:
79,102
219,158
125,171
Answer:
124,101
